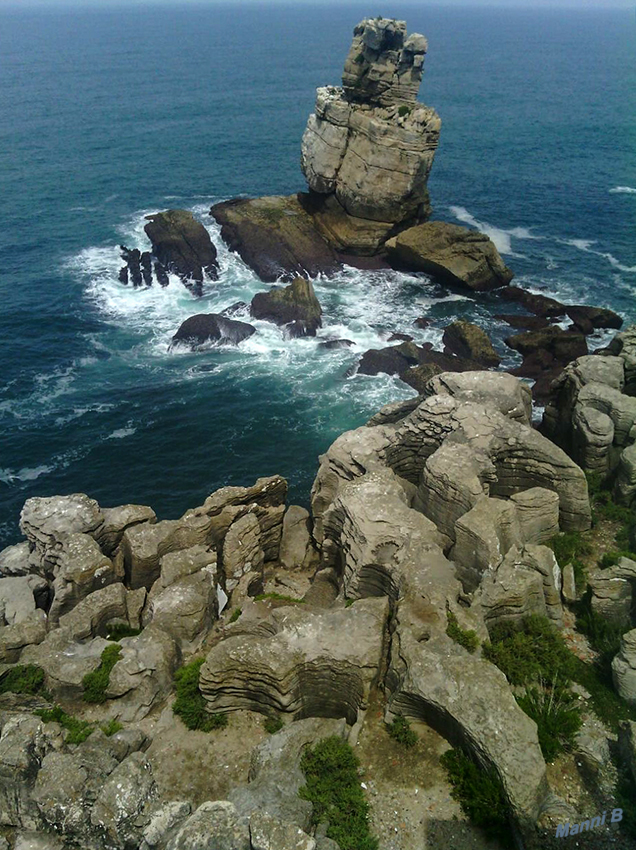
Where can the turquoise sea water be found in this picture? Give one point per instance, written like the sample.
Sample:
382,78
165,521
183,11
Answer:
106,116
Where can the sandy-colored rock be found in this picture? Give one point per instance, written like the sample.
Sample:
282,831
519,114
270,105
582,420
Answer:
82,568
538,514
624,668
117,520
468,340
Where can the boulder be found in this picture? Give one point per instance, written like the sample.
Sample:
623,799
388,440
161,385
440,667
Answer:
14,560
24,742
356,240
419,376
65,662
295,545
30,632
625,484
336,343
276,237
537,513
213,826
242,550
127,792
469,341
611,591
398,360
370,144
17,599
164,823
498,390
483,536
522,323
295,306
624,346
540,305
300,664
116,521
588,319
206,329
46,521
81,569
624,668
564,346
185,609
89,618
456,255
271,833
182,245
627,743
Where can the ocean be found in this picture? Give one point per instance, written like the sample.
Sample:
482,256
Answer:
111,114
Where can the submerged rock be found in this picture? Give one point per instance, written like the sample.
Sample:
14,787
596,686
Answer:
206,328
295,306
454,254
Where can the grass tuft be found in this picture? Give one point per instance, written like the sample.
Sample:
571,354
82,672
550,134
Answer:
111,728
278,597
236,613
78,730
96,683
400,730
273,724
190,704
464,637
22,679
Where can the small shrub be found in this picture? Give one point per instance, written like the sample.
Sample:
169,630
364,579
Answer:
236,613
404,110
464,637
480,794
534,653
22,679
190,704
558,719
400,730
333,787
607,705
273,725
111,728
121,630
278,597
95,683
78,730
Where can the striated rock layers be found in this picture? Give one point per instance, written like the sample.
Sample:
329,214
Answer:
369,146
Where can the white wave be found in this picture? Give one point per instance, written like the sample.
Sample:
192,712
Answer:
26,474
586,245
121,433
623,190
501,237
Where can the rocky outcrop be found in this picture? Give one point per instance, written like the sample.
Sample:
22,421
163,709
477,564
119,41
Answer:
624,668
471,342
276,237
456,255
183,246
296,307
369,146
206,329
297,663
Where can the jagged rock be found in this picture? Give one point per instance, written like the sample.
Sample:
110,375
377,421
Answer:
123,797
397,360
497,389
163,823
483,536
295,306
14,560
588,319
456,255
275,775
13,639
469,341
65,789
522,323
37,841
300,664
213,826
24,743
624,346
208,328
132,258
336,343
182,245
556,348
18,598
185,562
469,701
535,303
624,668
81,569
276,237
394,412
270,833
116,521
538,514
65,662
186,608
400,337
528,581
568,589
419,376
46,521
242,550
620,408
90,616
142,677
295,545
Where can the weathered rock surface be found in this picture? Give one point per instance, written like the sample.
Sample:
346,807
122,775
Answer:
208,328
624,668
182,245
18,598
30,632
471,342
540,305
299,664
295,306
588,319
81,569
537,513
116,521
295,544
24,742
213,826
122,799
14,560
113,604
612,591
456,255
370,144
276,237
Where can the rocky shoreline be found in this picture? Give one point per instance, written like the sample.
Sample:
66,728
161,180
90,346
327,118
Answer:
163,681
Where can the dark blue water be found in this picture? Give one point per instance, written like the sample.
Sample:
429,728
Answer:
106,116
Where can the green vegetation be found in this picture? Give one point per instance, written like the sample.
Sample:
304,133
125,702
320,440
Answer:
535,653
273,724
607,705
111,728
236,613
22,679
464,637
604,636
480,794
333,786
604,507
120,630
190,704
278,597
625,795
95,683
78,730
557,716
401,731
570,548
404,110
